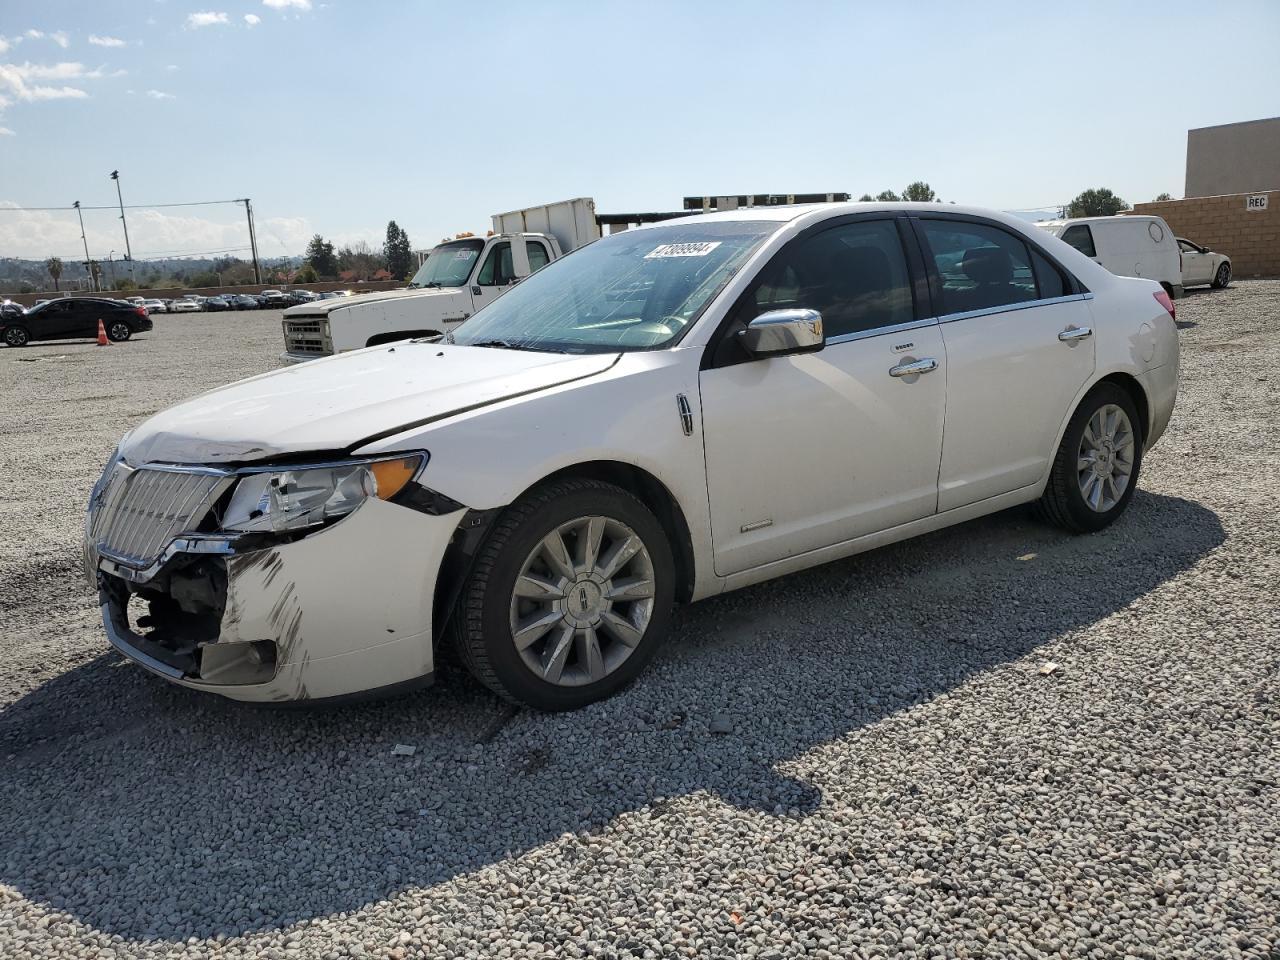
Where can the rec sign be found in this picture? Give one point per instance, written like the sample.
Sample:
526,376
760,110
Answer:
1256,201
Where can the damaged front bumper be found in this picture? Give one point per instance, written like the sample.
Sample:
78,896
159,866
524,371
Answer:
345,610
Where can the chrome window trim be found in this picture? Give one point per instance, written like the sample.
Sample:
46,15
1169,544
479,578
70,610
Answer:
1011,307
953,317
881,331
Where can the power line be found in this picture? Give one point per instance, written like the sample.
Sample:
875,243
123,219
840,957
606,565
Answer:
127,206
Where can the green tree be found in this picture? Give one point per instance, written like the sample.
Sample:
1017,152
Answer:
306,275
397,252
321,258
865,198
920,192
206,279
54,266
887,196
1163,197
126,284
1099,202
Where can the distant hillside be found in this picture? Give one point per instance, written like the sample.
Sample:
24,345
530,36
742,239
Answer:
21,276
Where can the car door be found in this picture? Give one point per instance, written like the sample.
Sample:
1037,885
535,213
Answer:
1196,266
495,276
809,450
85,317
1019,342
58,320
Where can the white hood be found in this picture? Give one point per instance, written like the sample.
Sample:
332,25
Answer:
334,404
326,307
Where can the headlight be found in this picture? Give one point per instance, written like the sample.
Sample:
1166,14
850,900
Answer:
301,497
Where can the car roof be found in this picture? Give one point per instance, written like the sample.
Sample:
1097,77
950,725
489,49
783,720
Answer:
816,212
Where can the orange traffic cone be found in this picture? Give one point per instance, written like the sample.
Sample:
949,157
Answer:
102,334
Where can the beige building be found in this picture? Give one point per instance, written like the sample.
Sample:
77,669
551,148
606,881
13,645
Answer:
1233,158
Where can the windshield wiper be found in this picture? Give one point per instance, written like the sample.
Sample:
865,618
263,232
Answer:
424,286
508,345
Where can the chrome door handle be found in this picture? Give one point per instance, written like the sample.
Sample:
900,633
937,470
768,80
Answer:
927,365
1072,334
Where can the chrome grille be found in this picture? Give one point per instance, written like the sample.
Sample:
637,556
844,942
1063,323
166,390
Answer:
140,511
307,336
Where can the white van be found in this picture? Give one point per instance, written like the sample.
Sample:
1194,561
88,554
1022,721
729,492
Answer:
1135,246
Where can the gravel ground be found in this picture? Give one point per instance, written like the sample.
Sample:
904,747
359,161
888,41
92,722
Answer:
902,773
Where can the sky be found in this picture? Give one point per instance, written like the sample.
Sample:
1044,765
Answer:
336,116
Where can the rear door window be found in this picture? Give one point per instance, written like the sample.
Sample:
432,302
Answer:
1080,237
979,267
537,253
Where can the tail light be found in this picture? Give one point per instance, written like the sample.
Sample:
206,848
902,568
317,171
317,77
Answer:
1166,301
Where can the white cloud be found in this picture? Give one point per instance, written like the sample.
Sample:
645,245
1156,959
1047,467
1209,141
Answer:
35,34
36,234
4,45
6,132
252,19
172,66
14,81
206,19
286,4
105,41
60,39
160,95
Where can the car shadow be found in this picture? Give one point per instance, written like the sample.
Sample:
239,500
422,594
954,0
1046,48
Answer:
207,817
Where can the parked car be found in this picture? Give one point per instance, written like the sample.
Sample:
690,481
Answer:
242,301
1200,265
10,308
214,304
275,299
155,306
1128,246
301,296
185,305
72,317
39,303
672,412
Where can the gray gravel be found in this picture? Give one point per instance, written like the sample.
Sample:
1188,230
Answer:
898,777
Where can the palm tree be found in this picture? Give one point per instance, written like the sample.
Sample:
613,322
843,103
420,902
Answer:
54,266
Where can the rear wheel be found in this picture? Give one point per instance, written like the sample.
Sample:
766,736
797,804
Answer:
118,331
570,596
1096,469
16,336
1222,277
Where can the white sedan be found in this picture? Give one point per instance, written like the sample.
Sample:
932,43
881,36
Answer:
1201,266
155,306
669,413
185,305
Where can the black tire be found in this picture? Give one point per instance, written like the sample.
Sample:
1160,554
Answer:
1063,504
118,331
481,625
1223,277
16,336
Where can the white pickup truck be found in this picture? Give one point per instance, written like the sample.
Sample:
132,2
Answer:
458,278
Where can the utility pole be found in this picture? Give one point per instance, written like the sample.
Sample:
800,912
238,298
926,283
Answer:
253,242
80,214
128,254
111,265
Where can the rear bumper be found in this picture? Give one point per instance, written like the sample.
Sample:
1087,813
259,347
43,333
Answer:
343,612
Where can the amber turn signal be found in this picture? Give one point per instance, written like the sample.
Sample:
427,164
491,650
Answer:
392,475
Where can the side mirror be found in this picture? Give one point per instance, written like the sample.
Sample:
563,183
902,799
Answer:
780,332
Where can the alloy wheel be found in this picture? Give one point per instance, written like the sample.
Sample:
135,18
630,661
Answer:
15,337
1105,462
120,330
582,601
1224,275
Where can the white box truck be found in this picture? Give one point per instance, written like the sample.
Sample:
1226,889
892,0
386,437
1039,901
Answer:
458,278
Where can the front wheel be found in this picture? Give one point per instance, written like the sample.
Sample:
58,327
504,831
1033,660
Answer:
1096,469
1222,277
570,596
119,331
16,336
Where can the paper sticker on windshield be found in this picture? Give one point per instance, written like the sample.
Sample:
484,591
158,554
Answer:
466,253
682,250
